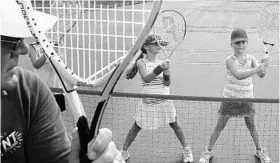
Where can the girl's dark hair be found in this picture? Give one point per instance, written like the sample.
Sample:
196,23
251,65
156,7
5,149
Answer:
130,74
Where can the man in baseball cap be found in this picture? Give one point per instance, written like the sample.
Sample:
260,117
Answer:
32,128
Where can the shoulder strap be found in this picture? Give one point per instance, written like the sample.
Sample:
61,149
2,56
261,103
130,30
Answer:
144,60
233,56
249,56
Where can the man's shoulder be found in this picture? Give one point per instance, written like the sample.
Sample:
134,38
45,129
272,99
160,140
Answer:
27,79
30,86
26,74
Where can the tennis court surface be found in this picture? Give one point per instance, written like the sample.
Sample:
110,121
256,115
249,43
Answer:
198,117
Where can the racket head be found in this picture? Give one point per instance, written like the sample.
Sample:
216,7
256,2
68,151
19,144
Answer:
68,13
100,39
170,27
132,52
268,21
66,75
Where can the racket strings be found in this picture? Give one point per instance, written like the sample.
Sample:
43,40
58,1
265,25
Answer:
269,25
94,36
173,30
171,27
68,13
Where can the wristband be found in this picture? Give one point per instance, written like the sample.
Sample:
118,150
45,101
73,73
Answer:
166,77
158,70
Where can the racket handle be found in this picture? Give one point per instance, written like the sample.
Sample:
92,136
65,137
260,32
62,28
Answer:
83,130
265,59
266,55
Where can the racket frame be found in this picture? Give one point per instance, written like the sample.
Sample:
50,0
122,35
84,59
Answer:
48,49
72,24
185,31
115,76
267,46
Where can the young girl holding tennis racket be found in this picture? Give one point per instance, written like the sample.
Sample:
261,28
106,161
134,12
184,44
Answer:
152,113
240,69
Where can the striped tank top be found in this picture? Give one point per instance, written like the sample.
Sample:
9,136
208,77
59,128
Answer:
156,86
235,88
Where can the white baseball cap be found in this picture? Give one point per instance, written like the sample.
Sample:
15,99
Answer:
13,23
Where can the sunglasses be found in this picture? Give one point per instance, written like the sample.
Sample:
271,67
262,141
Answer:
162,43
154,44
11,43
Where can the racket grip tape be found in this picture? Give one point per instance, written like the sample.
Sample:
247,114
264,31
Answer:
84,134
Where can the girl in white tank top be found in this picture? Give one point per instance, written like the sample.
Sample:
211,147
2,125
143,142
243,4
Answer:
240,68
152,113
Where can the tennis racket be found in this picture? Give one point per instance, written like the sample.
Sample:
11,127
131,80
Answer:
170,30
130,41
68,13
269,27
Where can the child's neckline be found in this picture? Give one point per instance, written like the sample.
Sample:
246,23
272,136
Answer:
154,61
245,56
241,62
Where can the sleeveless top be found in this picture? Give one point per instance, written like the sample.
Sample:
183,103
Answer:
156,86
235,88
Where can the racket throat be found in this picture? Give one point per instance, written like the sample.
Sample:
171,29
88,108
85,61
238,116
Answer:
267,47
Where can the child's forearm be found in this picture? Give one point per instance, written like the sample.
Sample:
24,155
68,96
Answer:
166,77
245,74
149,77
152,75
166,80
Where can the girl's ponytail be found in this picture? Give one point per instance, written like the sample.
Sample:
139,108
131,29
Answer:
130,73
